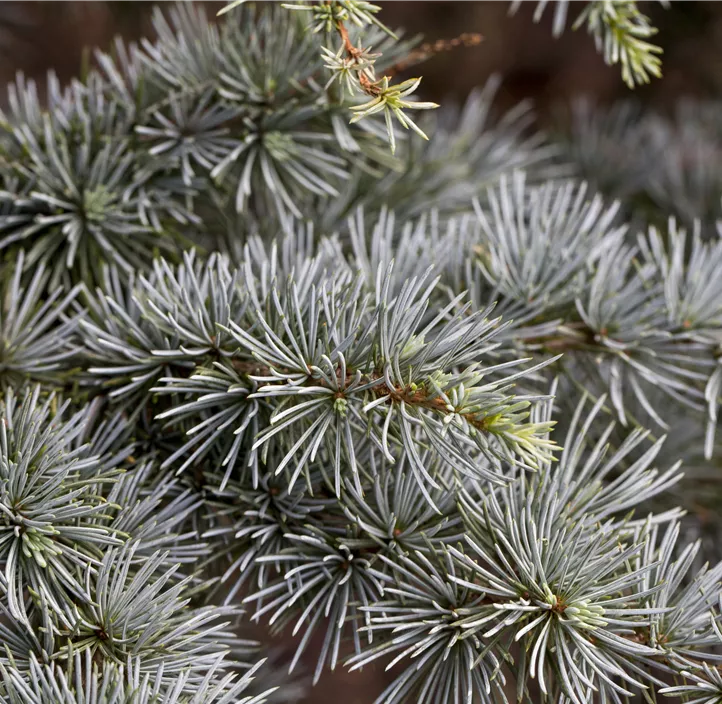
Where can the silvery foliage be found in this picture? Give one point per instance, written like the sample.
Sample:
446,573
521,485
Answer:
340,421
83,682
620,33
658,164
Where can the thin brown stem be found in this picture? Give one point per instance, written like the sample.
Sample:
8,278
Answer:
430,49
353,52
416,397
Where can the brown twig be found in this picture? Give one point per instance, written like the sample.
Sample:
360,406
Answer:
353,52
430,49
417,397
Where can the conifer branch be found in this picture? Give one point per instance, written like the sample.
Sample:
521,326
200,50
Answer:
256,371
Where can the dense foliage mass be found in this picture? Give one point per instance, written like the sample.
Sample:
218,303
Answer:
410,408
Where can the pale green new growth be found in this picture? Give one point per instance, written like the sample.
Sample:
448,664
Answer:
390,100
620,31
352,65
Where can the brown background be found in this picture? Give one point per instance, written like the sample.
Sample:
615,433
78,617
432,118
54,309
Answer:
38,35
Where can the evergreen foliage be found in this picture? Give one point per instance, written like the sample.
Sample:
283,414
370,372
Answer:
620,33
450,406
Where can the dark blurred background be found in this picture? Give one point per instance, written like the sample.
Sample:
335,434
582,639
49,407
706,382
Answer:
37,36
